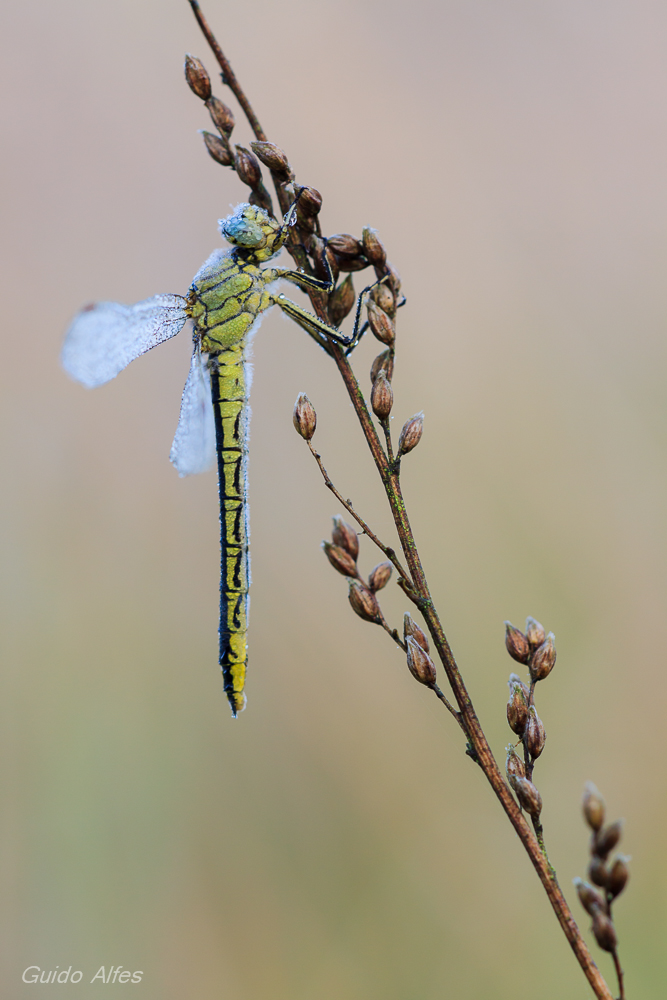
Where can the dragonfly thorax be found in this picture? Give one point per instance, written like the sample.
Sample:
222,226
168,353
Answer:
258,236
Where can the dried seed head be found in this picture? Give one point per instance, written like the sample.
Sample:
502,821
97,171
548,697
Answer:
517,707
603,928
271,156
411,628
528,796
593,806
411,433
618,875
318,250
221,116
340,559
543,659
514,766
383,296
218,149
597,872
517,644
198,79
381,324
376,253
304,416
341,301
379,576
363,602
247,167
344,535
382,396
420,664
607,838
534,736
535,633
310,201
352,263
589,897
344,245
383,363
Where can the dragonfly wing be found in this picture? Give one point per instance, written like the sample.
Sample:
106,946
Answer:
193,449
105,337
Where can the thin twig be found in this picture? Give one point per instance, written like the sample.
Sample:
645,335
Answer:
450,708
619,974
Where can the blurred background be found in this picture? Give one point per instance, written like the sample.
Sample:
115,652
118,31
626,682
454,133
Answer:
334,841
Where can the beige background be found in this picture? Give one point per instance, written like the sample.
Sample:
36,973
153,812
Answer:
334,843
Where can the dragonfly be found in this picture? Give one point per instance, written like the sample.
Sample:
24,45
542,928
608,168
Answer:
225,302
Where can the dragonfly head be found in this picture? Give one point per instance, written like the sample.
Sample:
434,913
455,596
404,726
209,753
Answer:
252,230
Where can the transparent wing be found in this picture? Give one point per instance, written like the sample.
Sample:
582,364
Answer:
105,337
193,449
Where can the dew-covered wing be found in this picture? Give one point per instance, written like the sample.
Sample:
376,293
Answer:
105,337
193,449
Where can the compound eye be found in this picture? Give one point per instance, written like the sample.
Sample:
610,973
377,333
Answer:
242,231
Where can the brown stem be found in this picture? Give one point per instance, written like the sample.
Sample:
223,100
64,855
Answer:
450,708
619,974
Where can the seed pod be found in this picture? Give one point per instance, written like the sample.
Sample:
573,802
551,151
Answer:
376,253
383,297
340,559
515,679
597,872
517,644
344,245
352,263
420,664
603,928
411,628
394,278
543,659
589,897
318,249
593,806
310,201
363,602
344,535
304,416
341,301
607,838
379,576
618,876
534,736
514,766
411,433
382,397
247,167
383,363
517,708
218,149
535,633
381,325
528,796
198,79
271,156
221,116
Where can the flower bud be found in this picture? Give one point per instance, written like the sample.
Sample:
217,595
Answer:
411,628
603,928
310,201
517,644
379,576
535,633
528,796
218,149
383,363
271,156
375,252
607,838
514,766
304,416
411,433
344,245
382,396
344,535
534,736
420,664
341,301
589,897
363,602
381,325
543,659
247,167
597,872
517,707
593,806
383,297
340,559
618,876
221,116
198,79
